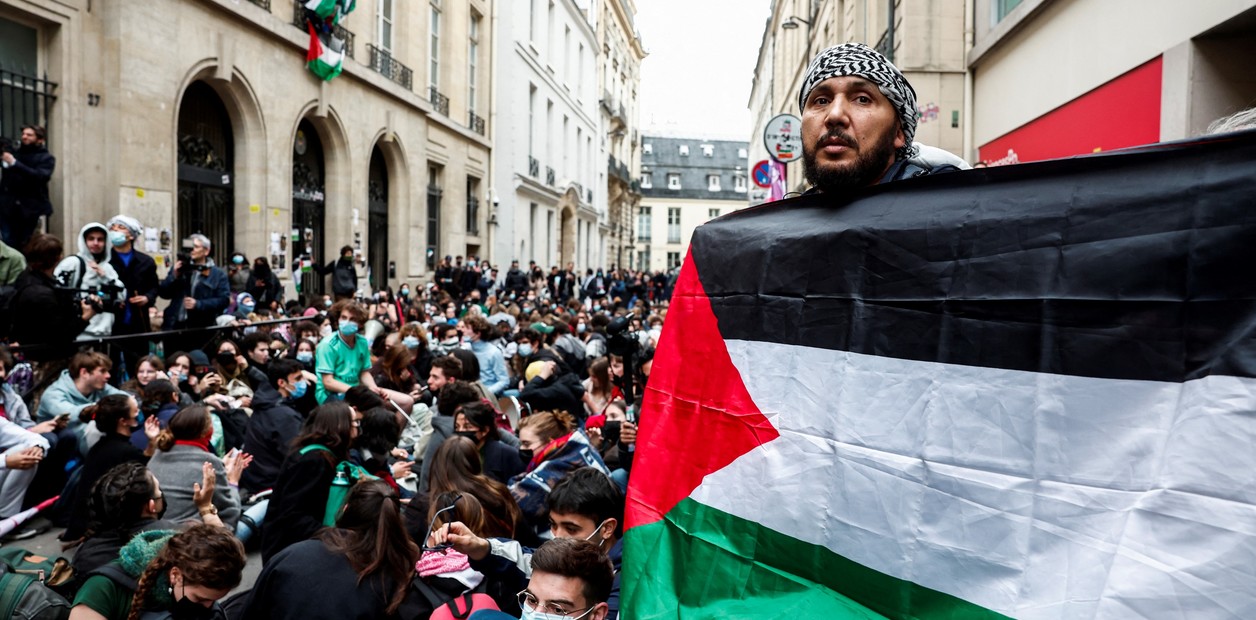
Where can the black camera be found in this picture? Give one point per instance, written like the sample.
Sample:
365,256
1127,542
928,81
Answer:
186,259
622,342
7,146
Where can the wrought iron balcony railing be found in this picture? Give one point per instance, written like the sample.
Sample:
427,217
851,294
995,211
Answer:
387,66
439,101
534,167
549,176
475,122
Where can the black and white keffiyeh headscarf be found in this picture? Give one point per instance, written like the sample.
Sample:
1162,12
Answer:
860,60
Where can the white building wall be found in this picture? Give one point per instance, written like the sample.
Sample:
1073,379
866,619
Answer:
546,103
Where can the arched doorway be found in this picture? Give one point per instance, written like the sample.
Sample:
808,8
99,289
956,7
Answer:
308,205
206,201
377,222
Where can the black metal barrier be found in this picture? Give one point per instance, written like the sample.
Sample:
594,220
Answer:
110,344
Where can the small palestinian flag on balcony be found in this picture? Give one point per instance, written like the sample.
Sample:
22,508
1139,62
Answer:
1025,391
334,10
326,56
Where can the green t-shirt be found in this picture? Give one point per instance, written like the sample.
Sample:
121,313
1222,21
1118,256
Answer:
344,363
105,597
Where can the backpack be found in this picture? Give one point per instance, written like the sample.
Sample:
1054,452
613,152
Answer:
346,475
26,586
422,596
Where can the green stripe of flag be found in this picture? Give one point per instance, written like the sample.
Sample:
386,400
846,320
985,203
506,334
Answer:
699,562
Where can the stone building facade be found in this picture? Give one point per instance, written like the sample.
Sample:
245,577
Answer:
200,116
619,75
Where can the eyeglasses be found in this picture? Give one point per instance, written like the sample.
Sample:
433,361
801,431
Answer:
431,526
530,603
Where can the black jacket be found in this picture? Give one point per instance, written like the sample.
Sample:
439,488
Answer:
308,580
562,391
44,315
140,278
501,461
24,185
112,450
344,276
272,428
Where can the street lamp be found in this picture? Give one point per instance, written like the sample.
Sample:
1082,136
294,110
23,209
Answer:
792,23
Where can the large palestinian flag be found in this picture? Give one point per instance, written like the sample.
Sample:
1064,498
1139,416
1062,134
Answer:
1024,392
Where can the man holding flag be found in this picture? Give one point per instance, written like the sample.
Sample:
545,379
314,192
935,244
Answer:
1016,392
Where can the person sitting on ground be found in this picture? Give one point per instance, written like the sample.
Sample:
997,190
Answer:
125,501
477,421
552,387
446,574
358,569
274,424
555,447
182,575
492,363
13,407
471,370
452,395
85,383
586,505
300,497
183,449
20,453
161,399
456,468
147,369
376,444
116,416
571,578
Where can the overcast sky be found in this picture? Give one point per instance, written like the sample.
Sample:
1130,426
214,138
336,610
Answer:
696,79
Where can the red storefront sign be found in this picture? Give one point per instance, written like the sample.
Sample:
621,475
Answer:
1123,112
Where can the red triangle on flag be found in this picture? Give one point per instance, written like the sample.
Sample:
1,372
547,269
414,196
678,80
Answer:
697,416
316,46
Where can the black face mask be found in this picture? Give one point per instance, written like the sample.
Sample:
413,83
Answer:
525,456
225,359
185,609
610,431
161,513
469,435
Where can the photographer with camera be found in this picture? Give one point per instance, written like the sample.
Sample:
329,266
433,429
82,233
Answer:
46,318
89,277
198,291
24,185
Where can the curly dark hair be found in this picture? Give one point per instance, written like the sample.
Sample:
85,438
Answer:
206,555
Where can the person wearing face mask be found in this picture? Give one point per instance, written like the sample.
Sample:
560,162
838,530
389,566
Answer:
274,424
138,273
344,275
477,421
116,416
586,508
125,501
180,576
343,360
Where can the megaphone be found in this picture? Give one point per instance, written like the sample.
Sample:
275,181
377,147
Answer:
373,330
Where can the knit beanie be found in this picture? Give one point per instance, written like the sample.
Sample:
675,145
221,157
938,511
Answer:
136,555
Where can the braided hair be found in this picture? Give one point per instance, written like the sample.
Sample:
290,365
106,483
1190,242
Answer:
118,498
206,555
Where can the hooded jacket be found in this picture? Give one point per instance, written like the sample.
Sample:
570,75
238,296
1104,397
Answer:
78,273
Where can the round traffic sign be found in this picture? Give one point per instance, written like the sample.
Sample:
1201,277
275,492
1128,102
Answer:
783,138
762,174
